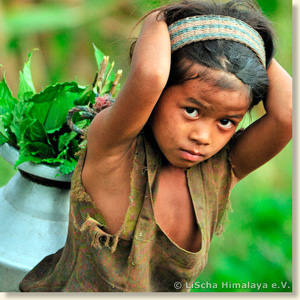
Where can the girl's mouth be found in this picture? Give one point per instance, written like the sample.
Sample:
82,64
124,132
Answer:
191,155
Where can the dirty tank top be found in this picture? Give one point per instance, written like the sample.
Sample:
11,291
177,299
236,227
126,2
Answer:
140,257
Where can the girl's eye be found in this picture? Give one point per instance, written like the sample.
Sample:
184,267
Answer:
192,112
227,124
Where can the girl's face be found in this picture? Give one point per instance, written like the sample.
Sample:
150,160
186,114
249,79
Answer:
193,121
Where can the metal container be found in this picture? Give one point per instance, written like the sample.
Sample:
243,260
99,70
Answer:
34,212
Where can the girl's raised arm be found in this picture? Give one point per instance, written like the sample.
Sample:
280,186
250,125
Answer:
269,135
114,129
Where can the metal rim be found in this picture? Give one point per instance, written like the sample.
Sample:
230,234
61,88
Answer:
11,155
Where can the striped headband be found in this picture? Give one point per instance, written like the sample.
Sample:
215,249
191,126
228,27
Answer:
212,27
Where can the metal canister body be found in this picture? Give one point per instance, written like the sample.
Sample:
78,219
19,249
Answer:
33,216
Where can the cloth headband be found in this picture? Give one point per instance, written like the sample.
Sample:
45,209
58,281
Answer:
211,27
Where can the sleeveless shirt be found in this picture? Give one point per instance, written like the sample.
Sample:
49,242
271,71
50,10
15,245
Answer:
140,257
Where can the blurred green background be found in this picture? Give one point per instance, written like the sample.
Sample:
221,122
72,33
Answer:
256,246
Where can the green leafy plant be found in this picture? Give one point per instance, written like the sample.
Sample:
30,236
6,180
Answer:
36,123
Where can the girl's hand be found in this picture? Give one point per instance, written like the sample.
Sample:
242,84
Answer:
266,137
113,131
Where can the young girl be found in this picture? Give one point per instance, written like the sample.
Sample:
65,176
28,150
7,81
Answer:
152,186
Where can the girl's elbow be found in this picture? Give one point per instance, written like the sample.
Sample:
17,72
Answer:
283,114
287,114
147,75
284,119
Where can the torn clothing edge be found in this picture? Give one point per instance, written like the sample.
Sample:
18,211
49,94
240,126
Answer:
83,146
234,179
91,225
99,237
224,219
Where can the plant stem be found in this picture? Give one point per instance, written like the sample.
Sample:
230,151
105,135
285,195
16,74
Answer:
116,81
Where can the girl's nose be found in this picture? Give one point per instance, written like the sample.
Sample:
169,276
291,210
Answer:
202,134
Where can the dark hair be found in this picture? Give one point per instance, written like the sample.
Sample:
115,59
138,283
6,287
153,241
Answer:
228,56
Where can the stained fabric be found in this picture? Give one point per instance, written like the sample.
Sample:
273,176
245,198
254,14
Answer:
140,257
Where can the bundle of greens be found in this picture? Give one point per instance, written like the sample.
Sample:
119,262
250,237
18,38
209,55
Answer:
36,123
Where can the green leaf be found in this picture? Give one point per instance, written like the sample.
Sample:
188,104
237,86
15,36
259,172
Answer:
38,149
34,120
111,76
6,119
34,141
99,58
107,87
34,151
67,166
34,144
26,87
24,126
6,125
98,55
39,111
51,92
109,73
53,161
50,131
35,132
19,114
51,106
57,114
65,139
21,110
24,158
4,137
7,101
87,96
